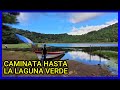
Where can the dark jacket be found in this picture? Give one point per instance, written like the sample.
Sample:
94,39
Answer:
44,51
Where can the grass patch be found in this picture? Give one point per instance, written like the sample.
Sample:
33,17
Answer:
18,55
112,55
21,45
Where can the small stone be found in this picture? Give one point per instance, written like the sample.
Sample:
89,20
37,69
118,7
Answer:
71,72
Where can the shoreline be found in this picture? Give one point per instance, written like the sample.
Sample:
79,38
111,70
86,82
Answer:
110,55
77,69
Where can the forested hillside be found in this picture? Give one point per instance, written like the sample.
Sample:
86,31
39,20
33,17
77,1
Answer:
108,34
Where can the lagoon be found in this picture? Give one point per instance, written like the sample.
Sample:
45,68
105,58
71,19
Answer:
83,44
86,58
83,56
81,52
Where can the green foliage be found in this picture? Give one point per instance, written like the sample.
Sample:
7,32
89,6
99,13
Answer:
9,18
109,54
21,45
108,34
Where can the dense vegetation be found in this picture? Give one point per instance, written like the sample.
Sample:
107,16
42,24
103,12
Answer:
108,34
9,18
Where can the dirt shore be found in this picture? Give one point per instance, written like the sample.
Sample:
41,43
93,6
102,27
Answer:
75,68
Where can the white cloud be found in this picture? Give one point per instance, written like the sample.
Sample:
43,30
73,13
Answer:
23,17
79,17
86,29
72,17
111,22
28,16
84,56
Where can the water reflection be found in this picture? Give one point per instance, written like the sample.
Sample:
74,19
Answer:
83,44
86,58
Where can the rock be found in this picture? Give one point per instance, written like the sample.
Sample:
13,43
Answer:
71,72
93,74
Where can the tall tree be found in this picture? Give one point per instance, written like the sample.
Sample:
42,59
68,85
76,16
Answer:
9,18
8,35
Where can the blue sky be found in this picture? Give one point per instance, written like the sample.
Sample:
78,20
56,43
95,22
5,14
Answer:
65,22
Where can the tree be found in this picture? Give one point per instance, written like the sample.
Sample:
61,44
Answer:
8,35
9,18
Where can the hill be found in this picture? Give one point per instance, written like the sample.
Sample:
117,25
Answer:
108,34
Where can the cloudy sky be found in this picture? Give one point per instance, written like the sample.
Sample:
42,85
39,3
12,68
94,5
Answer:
73,23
